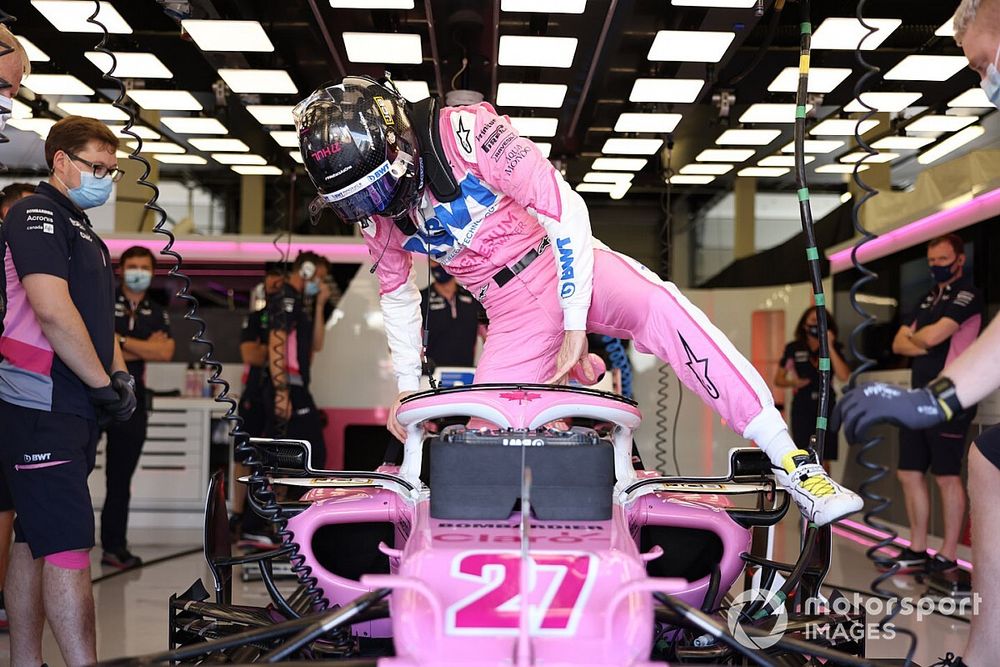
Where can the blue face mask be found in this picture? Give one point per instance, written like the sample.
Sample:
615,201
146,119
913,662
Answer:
312,288
942,274
991,82
138,280
440,274
92,191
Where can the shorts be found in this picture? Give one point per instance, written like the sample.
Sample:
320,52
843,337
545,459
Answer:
306,424
45,458
803,428
988,444
6,502
939,449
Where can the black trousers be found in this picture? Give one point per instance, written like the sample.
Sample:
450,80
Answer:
124,446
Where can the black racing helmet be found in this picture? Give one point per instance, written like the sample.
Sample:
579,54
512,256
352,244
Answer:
359,147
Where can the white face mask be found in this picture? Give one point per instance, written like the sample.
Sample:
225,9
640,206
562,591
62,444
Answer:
991,82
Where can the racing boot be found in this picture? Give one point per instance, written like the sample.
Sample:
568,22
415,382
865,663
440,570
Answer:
820,499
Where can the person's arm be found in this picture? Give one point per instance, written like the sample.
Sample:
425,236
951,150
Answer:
784,379
118,362
976,372
902,344
319,321
840,368
253,353
927,337
158,347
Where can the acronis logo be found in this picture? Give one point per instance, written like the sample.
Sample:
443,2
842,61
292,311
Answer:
565,267
325,152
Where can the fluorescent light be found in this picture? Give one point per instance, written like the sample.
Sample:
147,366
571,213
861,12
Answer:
166,100
20,109
950,144
141,130
947,29
647,122
821,79
724,4
220,145
941,123
974,98
286,138
547,95
747,137
620,190
845,34
546,6
845,197
927,68
763,172
840,168
56,84
383,47
618,164
296,155
783,160
685,179
725,155
608,177
157,147
414,91
698,46
902,143
535,127
216,35
179,159
884,102
275,81
770,113
98,110
371,4
519,51
39,126
596,187
35,54
130,65
71,16
187,125
878,158
842,127
257,171
677,91
814,146
238,158
706,169
272,114
544,148
632,146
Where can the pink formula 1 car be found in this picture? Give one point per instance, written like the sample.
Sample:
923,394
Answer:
525,537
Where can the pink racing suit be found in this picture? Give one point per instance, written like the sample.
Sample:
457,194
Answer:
512,198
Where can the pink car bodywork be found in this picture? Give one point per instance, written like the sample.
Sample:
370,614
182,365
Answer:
459,587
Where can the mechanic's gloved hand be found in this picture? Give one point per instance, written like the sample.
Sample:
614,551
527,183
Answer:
874,402
103,398
124,385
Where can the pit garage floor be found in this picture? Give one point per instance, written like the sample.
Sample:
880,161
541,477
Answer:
132,613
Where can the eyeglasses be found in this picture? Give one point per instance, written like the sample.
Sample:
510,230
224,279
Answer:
100,171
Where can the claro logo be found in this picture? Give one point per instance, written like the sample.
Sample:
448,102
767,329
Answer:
325,152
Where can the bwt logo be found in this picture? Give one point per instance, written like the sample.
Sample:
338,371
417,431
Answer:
523,442
325,152
37,458
566,267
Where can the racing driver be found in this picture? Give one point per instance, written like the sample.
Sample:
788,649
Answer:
459,185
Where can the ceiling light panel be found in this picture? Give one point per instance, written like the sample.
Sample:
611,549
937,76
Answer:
722,4
974,98
216,35
545,95
521,51
130,65
763,172
784,160
927,68
947,29
819,146
371,4
868,158
98,110
286,138
699,46
841,127
596,187
238,158
884,102
168,158
686,179
845,34
608,177
535,127
275,81
257,171
951,144
186,125
39,126
709,169
770,113
632,146
71,16
747,137
56,84
219,145
157,147
546,6
272,114
383,47
296,155
941,123
618,164
902,143
165,100
141,131
725,155
20,110
821,79
414,91
672,91
840,168
647,122
544,148
35,54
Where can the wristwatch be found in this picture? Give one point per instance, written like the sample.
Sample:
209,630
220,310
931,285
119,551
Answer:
943,391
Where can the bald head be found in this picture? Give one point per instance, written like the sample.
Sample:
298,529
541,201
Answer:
13,65
977,31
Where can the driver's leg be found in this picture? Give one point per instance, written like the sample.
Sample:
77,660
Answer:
984,496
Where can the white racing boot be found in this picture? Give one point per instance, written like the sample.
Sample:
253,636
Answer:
820,499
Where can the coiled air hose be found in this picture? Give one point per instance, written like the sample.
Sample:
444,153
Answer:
664,433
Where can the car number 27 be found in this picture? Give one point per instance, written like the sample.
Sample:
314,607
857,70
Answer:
558,587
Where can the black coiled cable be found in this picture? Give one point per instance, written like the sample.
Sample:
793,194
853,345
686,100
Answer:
877,503
259,486
278,350
663,431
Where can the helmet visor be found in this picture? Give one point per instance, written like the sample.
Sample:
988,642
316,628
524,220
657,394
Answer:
366,197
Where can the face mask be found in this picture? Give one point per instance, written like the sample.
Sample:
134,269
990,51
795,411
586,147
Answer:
991,82
6,111
312,288
942,274
92,191
138,280
440,275
813,331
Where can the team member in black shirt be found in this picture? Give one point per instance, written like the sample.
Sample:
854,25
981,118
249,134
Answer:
454,319
143,329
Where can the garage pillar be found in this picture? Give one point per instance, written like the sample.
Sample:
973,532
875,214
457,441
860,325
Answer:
252,204
744,191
